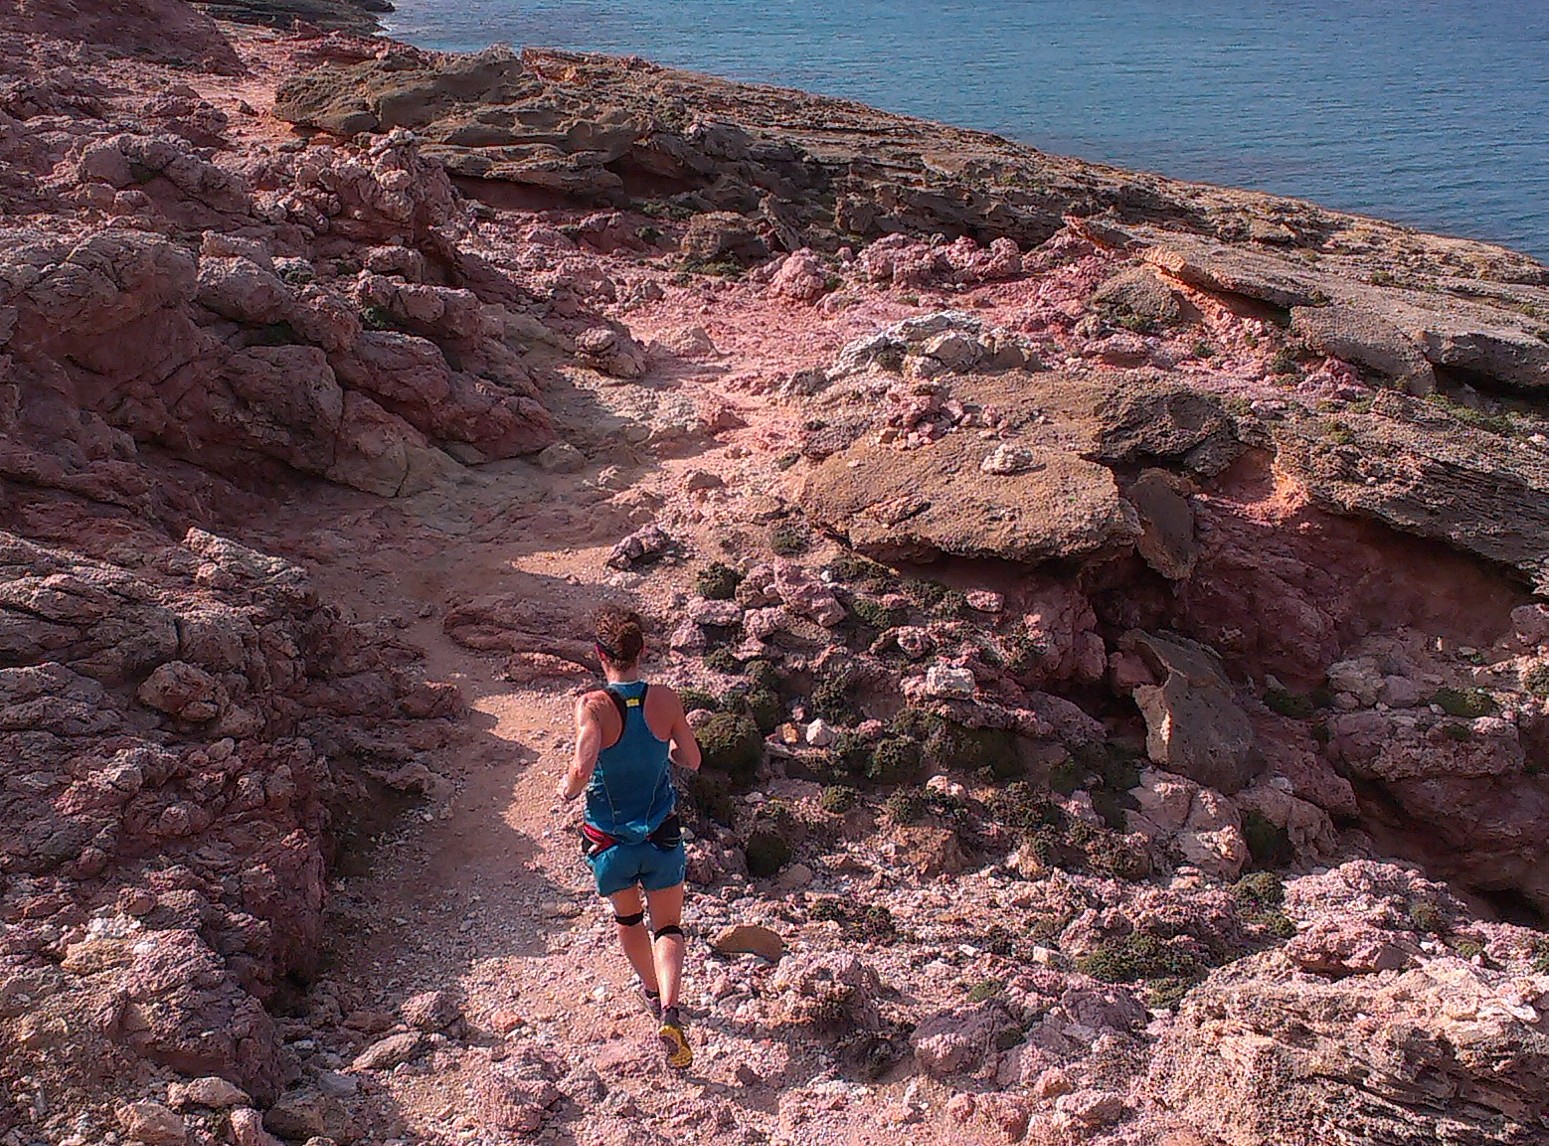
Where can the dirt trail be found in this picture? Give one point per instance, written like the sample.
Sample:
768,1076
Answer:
480,891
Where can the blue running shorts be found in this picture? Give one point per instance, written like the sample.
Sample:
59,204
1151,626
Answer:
645,865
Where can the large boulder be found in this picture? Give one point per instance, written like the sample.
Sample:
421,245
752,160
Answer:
1194,723
897,505
1448,1052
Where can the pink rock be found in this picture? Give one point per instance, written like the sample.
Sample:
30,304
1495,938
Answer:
1338,947
800,277
240,289
961,1107
247,1129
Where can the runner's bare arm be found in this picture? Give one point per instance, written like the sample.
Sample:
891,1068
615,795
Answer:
685,749
588,743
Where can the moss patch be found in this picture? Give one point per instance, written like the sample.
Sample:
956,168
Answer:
766,852
718,581
1466,703
730,743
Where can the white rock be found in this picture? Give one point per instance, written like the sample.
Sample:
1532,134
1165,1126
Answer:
819,734
950,680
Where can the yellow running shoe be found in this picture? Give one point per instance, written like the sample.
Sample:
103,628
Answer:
680,1056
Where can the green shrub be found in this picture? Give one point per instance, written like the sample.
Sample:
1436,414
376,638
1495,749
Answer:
1268,843
873,614
927,594
377,318
1284,362
852,751
951,606
907,806
838,799
762,674
722,660
1292,704
1277,923
767,852
1203,349
1540,957
1536,680
896,760
718,581
711,794
1167,993
852,567
985,989
765,708
1260,890
731,743
296,274
1459,732
1110,853
1023,808
873,924
1138,956
1021,653
970,749
696,698
1464,702
790,539
831,700
1468,948
1427,916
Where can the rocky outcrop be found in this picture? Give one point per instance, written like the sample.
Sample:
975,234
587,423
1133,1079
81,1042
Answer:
1423,469
173,713
358,16
1450,1051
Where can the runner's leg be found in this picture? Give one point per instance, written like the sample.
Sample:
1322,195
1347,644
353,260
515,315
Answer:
633,937
667,912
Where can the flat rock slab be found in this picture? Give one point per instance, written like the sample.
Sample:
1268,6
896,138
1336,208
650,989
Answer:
751,939
1424,471
901,504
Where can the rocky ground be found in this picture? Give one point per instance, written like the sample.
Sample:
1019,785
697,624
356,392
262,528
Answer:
1110,608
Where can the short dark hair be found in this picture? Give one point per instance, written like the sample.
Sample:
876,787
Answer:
619,635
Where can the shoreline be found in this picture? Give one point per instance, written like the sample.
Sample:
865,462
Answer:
1230,162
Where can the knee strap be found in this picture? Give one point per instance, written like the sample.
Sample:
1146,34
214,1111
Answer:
670,929
634,920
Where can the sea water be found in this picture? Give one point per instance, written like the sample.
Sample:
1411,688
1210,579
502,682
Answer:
1429,112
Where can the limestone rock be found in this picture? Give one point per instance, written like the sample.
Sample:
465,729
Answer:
384,1054
919,503
1166,539
153,1124
305,1114
430,1010
755,940
210,1093
1194,724
247,1129
1384,1056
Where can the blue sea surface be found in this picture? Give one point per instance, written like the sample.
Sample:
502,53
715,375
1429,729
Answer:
1429,112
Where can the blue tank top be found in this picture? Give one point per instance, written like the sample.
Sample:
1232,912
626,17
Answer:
630,792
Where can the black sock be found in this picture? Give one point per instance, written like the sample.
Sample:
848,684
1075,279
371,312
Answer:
670,1016
650,994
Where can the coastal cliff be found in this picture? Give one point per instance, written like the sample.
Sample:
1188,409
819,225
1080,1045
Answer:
1115,611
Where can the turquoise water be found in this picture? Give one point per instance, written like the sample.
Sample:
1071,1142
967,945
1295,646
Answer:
1431,112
